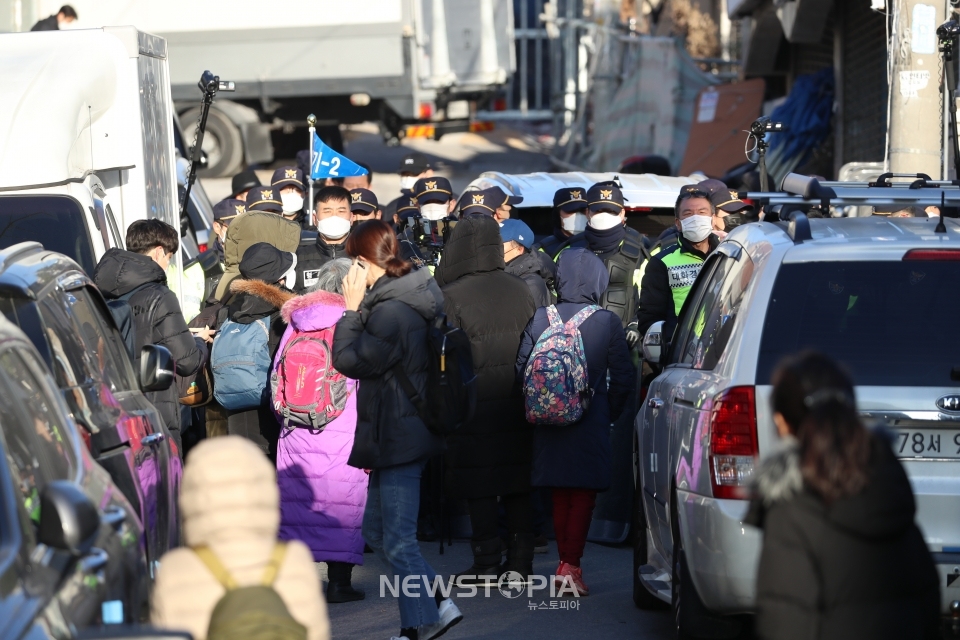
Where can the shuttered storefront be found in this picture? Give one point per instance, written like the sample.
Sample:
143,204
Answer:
864,79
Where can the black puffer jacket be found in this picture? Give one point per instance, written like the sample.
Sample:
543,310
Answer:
389,329
158,320
492,454
311,256
530,269
858,568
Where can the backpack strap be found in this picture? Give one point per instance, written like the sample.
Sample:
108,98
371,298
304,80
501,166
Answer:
213,564
273,566
553,316
573,324
409,389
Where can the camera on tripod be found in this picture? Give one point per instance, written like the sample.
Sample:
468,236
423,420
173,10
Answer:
763,125
949,31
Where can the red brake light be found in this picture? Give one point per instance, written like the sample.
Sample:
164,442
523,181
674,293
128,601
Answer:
426,110
500,104
733,441
932,254
202,248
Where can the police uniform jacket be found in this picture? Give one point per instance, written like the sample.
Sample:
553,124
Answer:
312,256
667,282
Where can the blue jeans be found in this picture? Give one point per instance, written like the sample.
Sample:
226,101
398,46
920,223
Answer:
390,528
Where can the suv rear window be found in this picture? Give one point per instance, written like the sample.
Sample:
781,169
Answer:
889,323
57,222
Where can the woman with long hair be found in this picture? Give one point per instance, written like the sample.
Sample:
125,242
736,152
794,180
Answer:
384,331
842,556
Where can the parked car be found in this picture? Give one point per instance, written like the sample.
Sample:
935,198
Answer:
851,288
71,551
58,307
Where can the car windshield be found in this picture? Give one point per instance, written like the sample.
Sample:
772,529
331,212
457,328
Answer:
57,222
889,323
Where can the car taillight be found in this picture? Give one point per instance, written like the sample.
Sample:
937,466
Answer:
85,436
426,110
201,248
932,254
500,104
733,442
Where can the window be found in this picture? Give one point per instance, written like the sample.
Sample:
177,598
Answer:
889,323
38,444
102,339
57,222
72,365
716,312
688,311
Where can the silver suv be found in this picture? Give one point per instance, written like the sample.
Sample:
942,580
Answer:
852,288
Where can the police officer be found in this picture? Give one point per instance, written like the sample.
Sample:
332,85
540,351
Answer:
363,206
424,234
671,273
289,182
731,211
413,166
242,183
620,249
569,222
333,218
493,201
223,212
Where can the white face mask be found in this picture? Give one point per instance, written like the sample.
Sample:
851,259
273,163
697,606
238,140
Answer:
696,228
433,211
292,202
575,223
603,221
407,182
334,227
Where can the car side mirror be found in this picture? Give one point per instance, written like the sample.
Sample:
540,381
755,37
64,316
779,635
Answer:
156,368
653,343
68,519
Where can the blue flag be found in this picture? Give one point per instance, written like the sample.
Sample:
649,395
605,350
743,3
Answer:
327,163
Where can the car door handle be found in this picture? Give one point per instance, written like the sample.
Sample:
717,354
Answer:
94,561
153,438
655,403
114,516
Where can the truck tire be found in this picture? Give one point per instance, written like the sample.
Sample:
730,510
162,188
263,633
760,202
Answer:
222,142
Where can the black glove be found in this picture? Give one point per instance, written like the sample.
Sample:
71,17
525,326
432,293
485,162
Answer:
633,335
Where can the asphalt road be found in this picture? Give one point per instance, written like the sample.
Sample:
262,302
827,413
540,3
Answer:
608,612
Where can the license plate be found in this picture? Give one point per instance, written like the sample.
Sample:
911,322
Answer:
927,443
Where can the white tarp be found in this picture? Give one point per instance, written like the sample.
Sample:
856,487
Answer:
653,107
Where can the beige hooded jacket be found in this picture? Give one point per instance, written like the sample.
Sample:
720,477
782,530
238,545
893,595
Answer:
229,501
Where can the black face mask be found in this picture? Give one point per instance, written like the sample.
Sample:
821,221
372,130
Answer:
733,221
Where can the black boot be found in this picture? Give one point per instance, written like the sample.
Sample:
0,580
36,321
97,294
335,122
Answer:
486,562
519,555
339,588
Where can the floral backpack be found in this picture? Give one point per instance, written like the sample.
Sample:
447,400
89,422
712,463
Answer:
556,386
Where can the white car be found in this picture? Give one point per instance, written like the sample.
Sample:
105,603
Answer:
879,295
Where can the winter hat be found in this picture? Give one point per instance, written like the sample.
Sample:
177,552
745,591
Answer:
263,261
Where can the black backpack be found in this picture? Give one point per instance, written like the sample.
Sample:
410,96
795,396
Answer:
124,319
451,394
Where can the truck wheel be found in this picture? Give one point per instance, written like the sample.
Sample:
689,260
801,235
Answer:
222,142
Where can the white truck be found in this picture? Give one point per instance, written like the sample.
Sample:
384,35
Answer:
87,139
389,61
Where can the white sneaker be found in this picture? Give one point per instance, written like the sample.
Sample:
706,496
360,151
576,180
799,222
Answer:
449,616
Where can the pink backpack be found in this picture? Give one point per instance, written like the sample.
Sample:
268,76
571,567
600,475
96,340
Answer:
307,390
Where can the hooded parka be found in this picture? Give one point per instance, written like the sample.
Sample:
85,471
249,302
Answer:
858,568
230,503
578,456
491,454
530,268
157,318
389,329
246,230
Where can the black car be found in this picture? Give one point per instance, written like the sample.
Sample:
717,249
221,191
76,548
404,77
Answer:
71,550
63,313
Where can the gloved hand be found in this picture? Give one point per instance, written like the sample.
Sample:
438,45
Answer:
633,335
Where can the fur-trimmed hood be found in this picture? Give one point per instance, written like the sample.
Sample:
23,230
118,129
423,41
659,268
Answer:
254,299
779,477
313,311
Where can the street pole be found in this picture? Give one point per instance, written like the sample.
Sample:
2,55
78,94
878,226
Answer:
916,132
312,121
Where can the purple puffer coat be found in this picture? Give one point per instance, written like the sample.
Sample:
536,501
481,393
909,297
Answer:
321,498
